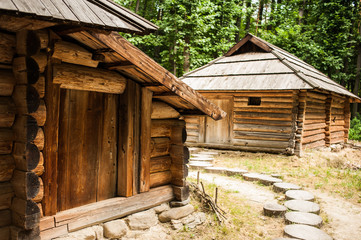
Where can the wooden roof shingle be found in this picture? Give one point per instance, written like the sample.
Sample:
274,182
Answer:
103,14
254,64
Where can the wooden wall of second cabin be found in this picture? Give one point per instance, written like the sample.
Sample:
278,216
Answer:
268,126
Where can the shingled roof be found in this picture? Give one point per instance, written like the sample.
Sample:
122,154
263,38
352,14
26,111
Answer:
254,64
103,14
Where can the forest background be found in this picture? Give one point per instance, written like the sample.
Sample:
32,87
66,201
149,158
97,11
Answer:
324,33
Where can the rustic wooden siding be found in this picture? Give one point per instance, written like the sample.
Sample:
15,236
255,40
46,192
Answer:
338,119
314,128
195,129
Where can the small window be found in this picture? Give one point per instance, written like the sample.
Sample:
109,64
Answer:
254,101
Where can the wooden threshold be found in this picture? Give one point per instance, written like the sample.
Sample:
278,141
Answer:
103,211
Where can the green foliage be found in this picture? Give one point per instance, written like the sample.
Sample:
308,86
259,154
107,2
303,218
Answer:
355,128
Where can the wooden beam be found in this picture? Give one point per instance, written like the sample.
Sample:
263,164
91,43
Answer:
157,72
77,77
145,137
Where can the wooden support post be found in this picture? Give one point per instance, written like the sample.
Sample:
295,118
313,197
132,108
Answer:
52,100
25,213
145,137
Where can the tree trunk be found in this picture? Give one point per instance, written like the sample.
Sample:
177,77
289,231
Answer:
137,6
301,12
273,6
260,14
248,16
186,54
357,78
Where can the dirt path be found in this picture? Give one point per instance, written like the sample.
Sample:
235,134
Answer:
344,218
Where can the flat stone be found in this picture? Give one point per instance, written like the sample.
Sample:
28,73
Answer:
283,187
199,165
218,170
208,153
299,195
268,180
305,232
310,219
154,233
143,220
179,203
176,213
274,209
161,208
302,206
115,229
99,232
276,175
84,234
252,176
235,171
190,221
202,159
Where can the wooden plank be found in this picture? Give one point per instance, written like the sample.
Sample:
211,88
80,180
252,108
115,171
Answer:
54,232
313,138
64,10
264,143
160,178
32,7
161,110
261,135
264,110
313,132
78,10
160,146
319,143
7,47
107,177
6,195
263,116
261,128
8,5
51,131
160,164
143,62
145,137
263,105
113,208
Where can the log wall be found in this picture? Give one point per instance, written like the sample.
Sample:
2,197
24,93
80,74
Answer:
7,119
169,156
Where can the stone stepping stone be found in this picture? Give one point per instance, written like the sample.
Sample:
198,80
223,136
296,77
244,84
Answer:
305,232
299,195
274,209
201,155
218,170
310,219
286,238
283,187
268,180
276,175
235,171
206,159
252,176
302,206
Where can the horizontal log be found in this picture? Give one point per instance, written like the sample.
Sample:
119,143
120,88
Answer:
263,116
40,194
103,211
264,110
319,143
7,112
160,129
160,147
267,99
7,166
26,185
337,140
263,105
160,164
25,213
160,179
313,132
41,209
337,134
266,144
337,111
6,140
39,170
25,128
313,121
181,193
313,126
5,218
73,53
161,110
6,195
27,43
263,94
261,128
40,113
7,82
42,60
192,119
89,79
314,110
193,126
286,123
7,47
337,128
237,147
315,116
261,135
26,156
26,70
39,140
179,154
313,138
26,99
316,95
316,105
40,86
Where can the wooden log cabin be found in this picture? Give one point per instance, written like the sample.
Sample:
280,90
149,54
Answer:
91,128
274,101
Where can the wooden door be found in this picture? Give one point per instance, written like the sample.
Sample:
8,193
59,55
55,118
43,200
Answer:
87,148
219,131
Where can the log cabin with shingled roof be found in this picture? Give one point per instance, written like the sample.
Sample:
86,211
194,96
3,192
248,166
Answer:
274,101
91,128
